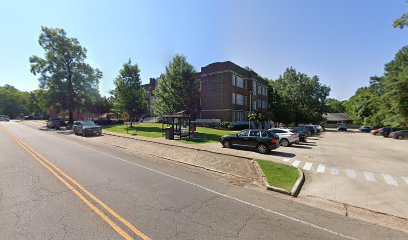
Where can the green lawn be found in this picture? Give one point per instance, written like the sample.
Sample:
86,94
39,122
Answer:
154,130
279,175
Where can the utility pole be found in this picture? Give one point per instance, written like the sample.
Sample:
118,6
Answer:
250,108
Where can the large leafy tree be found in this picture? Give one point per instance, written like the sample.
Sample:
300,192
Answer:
401,22
129,96
178,89
301,97
335,106
63,71
13,102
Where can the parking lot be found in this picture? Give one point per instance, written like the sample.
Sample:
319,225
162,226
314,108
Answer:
354,168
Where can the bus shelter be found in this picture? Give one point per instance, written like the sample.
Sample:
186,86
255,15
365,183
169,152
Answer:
176,125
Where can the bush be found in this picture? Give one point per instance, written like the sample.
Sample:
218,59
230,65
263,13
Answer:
216,125
108,122
238,127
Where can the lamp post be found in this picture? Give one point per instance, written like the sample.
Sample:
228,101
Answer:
250,109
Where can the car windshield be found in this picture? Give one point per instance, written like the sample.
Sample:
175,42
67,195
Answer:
89,123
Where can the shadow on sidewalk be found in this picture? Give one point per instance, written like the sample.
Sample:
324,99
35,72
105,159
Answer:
281,154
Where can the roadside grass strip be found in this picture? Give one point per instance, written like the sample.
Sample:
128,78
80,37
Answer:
279,175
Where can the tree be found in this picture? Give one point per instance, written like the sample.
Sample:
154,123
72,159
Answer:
63,71
13,102
335,106
260,117
401,22
302,98
178,89
129,95
38,103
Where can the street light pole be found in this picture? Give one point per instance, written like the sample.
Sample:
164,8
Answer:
250,109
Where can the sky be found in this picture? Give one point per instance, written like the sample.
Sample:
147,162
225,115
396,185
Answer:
343,42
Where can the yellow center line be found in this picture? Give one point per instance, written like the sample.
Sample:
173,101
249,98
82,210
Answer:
43,162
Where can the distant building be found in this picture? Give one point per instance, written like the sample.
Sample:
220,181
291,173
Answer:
149,87
336,118
228,91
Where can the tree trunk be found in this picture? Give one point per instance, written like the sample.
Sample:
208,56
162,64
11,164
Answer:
71,116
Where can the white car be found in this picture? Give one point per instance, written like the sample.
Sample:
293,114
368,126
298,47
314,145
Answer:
286,137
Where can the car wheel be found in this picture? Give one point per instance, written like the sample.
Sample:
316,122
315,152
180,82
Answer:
284,142
83,134
262,148
400,137
227,144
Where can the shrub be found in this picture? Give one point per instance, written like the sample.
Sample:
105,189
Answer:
238,127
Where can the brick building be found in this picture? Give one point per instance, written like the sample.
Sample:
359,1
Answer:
149,87
228,91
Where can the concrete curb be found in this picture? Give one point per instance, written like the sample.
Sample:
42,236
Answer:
295,189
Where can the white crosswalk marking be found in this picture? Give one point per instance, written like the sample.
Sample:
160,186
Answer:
351,173
296,163
286,159
389,179
369,176
308,166
321,168
405,179
335,171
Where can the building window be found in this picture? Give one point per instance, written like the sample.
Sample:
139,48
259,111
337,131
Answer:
233,98
239,82
259,89
239,99
254,105
239,116
254,88
233,80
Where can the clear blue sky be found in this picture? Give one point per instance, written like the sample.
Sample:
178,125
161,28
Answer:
344,42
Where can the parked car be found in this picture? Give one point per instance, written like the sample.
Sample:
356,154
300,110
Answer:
319,128
4,118
29,117
311,128
385,132
87,128
402,134
286,137
376,131
302,132
307,131
55,123
365,129
261,140
342,128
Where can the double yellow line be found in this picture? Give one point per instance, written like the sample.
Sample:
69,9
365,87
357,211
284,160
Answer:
70,183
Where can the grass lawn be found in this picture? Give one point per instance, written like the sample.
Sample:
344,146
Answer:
279,175
154,130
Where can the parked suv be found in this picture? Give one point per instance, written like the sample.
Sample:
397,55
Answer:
385,132
261,140
55,123
4,118
87,128
286,137
403,134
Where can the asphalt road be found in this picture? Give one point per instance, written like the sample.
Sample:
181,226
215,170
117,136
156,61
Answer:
54,187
